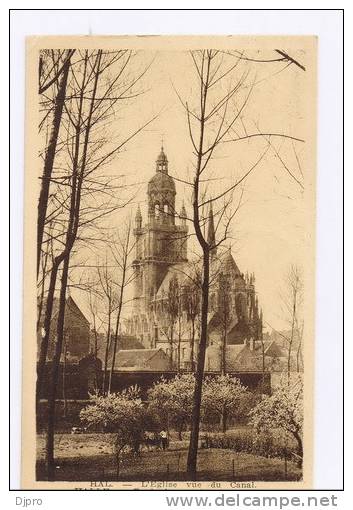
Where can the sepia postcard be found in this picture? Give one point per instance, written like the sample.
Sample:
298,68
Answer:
169,262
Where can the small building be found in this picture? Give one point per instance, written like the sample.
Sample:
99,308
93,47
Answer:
251,356
76,332
124,342
141,360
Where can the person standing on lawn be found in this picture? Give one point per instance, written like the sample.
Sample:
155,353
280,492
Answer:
164,439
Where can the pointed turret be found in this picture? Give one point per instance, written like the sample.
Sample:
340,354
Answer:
211,234
138,217
256,308
183,214
261,325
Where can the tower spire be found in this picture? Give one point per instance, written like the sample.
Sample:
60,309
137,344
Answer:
261,324
211,236
162,161
183,214
138,217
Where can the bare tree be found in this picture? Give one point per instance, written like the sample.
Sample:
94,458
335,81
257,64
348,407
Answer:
299,354
192,305
98,83
180,323
94,313
47,80
292,302
260,336
108,292
93,307
121,252
171,308
281,56
224,311
219,103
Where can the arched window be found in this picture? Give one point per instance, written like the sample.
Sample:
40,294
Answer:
156,210
166,208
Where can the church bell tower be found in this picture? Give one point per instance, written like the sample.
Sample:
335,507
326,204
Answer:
160,242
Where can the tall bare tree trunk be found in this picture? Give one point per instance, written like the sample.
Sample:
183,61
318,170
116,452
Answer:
47,322
115,346
196,408
64,379
124,263
223,356
75,201
179,341
95,351
50,156
171,343
82,164
107,348
206,134
289,367
59,258
192,353
42,291
299,356
55,373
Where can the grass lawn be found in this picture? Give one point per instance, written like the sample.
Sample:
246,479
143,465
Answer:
90,457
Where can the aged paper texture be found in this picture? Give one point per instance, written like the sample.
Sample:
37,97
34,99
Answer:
169,262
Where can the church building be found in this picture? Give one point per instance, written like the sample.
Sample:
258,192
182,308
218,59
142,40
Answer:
167,298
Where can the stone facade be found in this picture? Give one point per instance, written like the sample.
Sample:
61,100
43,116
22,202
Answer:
161,262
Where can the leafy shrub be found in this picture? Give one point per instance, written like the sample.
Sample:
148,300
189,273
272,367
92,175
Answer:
282,411
265,445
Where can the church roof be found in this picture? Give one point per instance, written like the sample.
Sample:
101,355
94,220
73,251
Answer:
185,271
138,359
213,357
241,358
180,270
71,309
238,330
228,264
162,157
159,181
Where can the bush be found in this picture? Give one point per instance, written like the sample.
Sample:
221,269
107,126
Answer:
265,445
223,399
282,411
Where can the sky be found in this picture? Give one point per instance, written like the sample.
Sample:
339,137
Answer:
269,231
